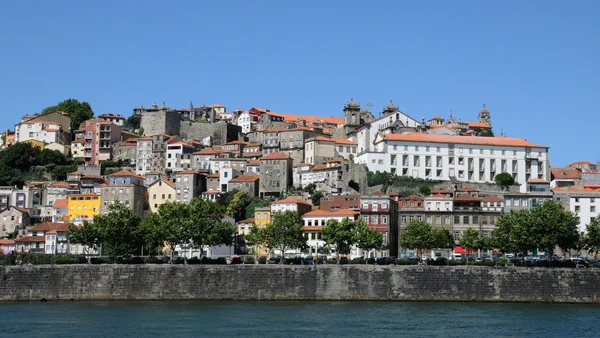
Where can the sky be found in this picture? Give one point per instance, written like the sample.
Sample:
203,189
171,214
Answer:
535,64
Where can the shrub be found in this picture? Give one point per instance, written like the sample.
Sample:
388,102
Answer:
404,261
331,261
344,260
35,259
194,261
179,260
66,259
157,260
101,260
262,260
456,263
8,259
358,260
249,260
501,262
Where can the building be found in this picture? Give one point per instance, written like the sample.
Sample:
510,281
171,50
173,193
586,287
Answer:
127,188
327,176
411,208
538,191
179,156
247,120
202,159
42,131
115,119
54,235
299,206
315,221
83,207
275,174
55,191
99,136
262,216
321,148
161,192
462,158
189,185
225,175
213,181
161,120
582,202
340,202
60,210
247,183
292,142
13,219
238,164
234,148
125,150
380,212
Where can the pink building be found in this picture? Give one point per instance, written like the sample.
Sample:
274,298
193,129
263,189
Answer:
99,136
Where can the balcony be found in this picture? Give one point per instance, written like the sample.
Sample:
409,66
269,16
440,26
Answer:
467,208
87,146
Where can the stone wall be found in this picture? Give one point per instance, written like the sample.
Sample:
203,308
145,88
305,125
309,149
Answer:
220,132
270,282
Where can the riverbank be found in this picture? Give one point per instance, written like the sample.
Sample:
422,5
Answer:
280,282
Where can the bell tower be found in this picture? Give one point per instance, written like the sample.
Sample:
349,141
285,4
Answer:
351,116
484,116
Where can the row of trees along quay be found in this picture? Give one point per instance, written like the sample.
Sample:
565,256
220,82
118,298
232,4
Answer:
121,232
545,227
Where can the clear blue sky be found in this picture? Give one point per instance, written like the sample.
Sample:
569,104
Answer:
534,63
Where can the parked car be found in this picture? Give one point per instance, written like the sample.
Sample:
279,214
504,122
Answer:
236,260
274,260
293,261
308,260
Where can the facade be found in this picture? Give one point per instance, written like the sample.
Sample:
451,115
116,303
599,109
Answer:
161,192
291,204
320,149
262,216
411,208
161,120
238,164
179,156
55,191
275,174
13,219
327,176
115,119
83,207
462,158
537,192
60,210
127,188
247,183
315,221
225,175
202,159
42,131
291,142
582,202
380,212
340,202
99,137
189,185
125,150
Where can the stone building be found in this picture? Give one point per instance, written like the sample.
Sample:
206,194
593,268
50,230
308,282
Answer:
129,189
291,142
275,174
247,183
161,120
125,150
189,184
13,218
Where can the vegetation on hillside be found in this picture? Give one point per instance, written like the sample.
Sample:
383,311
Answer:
78,111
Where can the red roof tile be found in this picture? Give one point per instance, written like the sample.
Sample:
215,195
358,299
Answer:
478,140
276,156
125,173
333,213
60,203
244,178
291,200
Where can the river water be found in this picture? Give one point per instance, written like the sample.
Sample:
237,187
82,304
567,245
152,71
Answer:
296,319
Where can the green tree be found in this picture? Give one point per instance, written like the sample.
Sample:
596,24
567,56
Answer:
20,156
208,226
504,180
417,235
133,122
237,206
284,232
514,233
48,156
87,235
170,226
316,197
592,237
425,190
552,226
120,231
367,239
256,203
78,111
442,239
310,188
469,239
255,237
341,235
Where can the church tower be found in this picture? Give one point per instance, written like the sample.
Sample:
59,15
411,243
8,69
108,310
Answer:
351,116
484,116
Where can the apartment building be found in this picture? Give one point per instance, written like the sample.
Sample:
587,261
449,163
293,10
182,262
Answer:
275,174
380,212
189,184
247,183
462,158
291,204
160,192
340,202
99,136
39,130
12,219
127,188
83,207
315,221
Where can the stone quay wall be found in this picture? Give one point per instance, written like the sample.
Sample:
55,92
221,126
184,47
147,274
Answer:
277,282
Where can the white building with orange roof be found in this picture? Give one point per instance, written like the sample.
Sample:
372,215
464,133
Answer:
60,210
201,159
315,221
297,205
583,202
40,130
462,158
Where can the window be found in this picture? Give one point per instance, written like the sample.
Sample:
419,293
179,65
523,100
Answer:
593,208
465,219
475,219
576,199
592,200
456,219
446,219
508,202
428,219
577,208
438,219
365,218
374,219
403,219
384,219
427,149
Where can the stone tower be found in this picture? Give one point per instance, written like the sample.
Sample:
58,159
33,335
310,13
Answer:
351,116
484,115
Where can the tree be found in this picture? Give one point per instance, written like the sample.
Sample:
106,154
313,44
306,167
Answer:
442,238
417,235
310,188
87,235
207,224
256,203
255,237
367,239
284,232
237,206
169,226
78,111
469,239
592,237
341,235
48,156
514,233
120,231
316,197
133,122
504,180
552,226
425,190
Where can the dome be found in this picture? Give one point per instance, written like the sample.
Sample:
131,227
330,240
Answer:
391,106
352,103
484,110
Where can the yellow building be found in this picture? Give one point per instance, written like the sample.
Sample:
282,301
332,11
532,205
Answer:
82,207
160,192
36,143
262,217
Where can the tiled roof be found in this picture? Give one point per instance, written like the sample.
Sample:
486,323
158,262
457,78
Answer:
187,172
467,190
80,140
411,197
248,220
275,156
566,173
47,226
60,203
4,241
478,140
254,162
313,228
492,198
59,184
244,178
537,180
467,198
125,173
478,125
235,142
216,105
437,117
30,239
209,151
291,200
214,175
585,189
334,213
580,163
211,192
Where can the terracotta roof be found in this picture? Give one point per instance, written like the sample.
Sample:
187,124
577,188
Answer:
291,200
253,162
60,203
235,142
47,226
492,198
75,173
40,121
479,140
216,105
169,183
303,165
313,119
437,117
244,178
585,189
478,125
214,175
411,197
467,190
276,156
248,220
257,144
211,192
342,212
92,176
4,241
467,198
323,166
84,195
125,173
537,180
313,228
440,191
209,151
580,163
59,184
566,173
29,239
187,172
51,232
